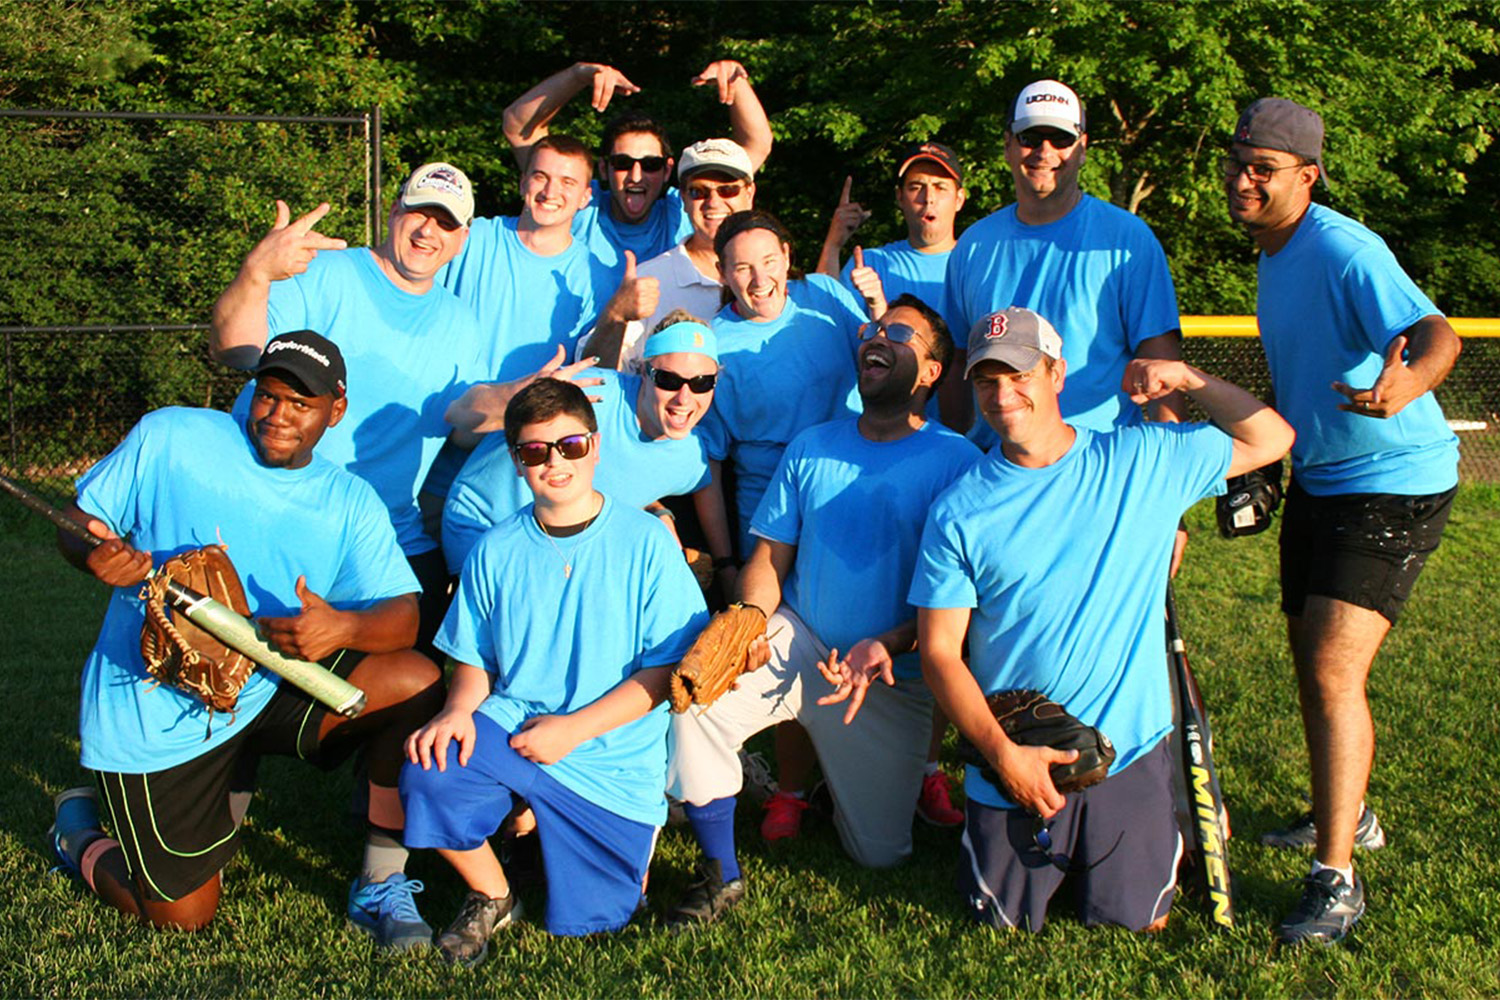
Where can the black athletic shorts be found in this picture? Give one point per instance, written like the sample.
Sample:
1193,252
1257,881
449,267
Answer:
1362,548
1119,840
175,826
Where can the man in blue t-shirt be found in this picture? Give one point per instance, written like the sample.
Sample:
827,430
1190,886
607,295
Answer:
412,348
640,214
837,537
930,193
1355,350
1051,556
1094,269
567,621
322,572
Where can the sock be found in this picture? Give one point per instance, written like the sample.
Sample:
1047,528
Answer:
713,825
74,844
932,767
385,855
1347,873
88,858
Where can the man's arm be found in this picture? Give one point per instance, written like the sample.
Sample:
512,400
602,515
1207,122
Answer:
481,409
547,739
1430,346
525,121
239,329
1260,435
1171,408
764,573
748,124
1024,770
320,629
635,299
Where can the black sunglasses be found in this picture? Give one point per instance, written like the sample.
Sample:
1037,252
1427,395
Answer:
1233,166
534,453
1034,137
700,192
896,333
649,164
671,381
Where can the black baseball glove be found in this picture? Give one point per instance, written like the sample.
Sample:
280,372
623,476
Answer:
1032,719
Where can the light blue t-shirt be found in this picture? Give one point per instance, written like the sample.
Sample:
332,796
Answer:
854,508
1097,274
779,378
665,225
555,642
185,478
409,356
1329,303
632,469
1065,567
527,304
904,269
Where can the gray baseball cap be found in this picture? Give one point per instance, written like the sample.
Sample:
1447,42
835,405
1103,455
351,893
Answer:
442,185
1016,337
1276,123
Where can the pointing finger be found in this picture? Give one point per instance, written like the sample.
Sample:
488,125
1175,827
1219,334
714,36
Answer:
848,184
304,225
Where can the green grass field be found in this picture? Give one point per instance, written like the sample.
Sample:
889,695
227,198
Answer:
814,924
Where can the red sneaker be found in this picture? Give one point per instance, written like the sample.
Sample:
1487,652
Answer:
783,817
934,804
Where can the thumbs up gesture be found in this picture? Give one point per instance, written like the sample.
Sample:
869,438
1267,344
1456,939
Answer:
636,298
867,281
318,630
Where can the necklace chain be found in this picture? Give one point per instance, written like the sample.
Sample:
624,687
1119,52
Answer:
567,563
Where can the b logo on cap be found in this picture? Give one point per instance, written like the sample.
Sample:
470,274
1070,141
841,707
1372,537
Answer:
697,339
998,323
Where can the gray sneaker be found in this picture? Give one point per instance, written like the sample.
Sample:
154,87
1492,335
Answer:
467,939
1368,833
706,899
1328,909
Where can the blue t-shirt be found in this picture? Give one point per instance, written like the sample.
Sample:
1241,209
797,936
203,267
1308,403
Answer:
527,305
632,469
1097,274
1065,568
854,509
1329,303
186,478
779,378
554,643
902,269
409,356
665,225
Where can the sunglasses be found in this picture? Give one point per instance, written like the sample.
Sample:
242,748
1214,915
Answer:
649,164
671,381
1034,137
896,333
534,453
700,192
1233,166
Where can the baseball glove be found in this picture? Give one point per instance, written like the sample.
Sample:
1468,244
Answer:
719,655
179,653
1031,719
1249,501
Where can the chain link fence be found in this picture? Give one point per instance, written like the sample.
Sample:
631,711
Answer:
124,227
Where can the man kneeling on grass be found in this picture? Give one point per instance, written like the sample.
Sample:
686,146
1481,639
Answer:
568,619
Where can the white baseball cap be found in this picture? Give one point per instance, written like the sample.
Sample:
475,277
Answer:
1048,104
443,185
723,156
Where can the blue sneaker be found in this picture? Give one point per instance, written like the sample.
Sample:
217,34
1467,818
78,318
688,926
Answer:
74,810
387,912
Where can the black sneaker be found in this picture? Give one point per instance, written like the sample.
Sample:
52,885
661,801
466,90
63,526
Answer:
1328,909
467,939
706,899
1368,834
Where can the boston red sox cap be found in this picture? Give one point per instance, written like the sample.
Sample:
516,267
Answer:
310,358
1016,337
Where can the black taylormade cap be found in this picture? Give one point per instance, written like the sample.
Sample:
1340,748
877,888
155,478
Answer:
309,357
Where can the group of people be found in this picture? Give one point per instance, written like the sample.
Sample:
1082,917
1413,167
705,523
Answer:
489,440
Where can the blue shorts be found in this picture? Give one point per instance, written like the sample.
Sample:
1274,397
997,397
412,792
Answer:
595,860
1119,839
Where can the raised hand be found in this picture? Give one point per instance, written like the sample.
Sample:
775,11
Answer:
1146,379
725,73
867,281
847,217
607,82
290,245
636,297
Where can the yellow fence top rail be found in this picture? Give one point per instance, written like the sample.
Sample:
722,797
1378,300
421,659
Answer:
1244,326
